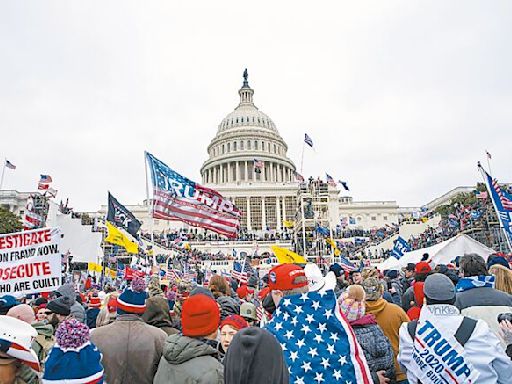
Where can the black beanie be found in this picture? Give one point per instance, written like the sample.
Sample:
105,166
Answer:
254,356
39,301
60,306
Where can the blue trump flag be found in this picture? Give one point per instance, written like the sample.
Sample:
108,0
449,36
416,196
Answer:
324,231
318,343
401,246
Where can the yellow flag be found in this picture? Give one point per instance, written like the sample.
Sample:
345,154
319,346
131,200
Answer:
93,267
424,219
288,223
285,256
115,236
330,242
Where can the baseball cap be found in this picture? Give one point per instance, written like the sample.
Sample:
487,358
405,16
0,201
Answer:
248,311
373,288
283,277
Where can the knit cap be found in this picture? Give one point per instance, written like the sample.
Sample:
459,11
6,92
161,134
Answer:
6,303
133,299
61,306
73,358
200,316
22,312
94,302
352,303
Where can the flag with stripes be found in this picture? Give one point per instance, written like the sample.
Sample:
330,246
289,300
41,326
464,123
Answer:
347,265
505,198
298,177
308,140
241,272
258,165
330,180
45,179
176,197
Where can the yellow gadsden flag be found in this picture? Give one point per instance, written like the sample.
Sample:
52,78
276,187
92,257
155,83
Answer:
285,256
115,236
288,223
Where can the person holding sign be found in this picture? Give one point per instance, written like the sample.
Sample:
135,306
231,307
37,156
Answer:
446,347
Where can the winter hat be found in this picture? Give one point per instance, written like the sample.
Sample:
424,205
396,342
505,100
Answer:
255,356
283,277
352,303
423,268
337,269
373,288
200,316
392,274
61,306
493,260
133,300
201,290
39,301
439,287
236,321
154,287
243,291
248,311
252,281
6,303
73,358
411,267
112,304
16,341
94,302
22,312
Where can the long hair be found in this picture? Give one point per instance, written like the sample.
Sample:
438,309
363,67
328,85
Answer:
219,286
503,278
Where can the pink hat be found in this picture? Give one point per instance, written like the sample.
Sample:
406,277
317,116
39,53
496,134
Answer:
22,312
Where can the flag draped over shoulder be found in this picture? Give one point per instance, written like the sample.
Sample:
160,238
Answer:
177,198
115,236
285,256
318,343
121,216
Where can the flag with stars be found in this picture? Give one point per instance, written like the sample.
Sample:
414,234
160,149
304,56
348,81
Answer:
318,343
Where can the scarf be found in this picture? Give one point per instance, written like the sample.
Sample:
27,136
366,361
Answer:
467,283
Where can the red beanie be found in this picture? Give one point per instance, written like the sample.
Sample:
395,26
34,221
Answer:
94,302
236,321
243,290
200,316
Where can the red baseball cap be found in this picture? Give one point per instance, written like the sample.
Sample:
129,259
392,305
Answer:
283,277
243,291
236,321
423,267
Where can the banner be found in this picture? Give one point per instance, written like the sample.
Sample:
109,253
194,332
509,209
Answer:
115,236
285,256
401,246
30,261
437,354
119,215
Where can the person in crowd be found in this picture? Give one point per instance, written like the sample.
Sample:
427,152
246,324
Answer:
482,349
157,311
228,329
502,278
476,296
254,357
73,358
421,271
18,361
408,277
414,312
249,313
449,272
23,312
58,310
6,303
41,314
394,287
141,343
355,277
286,280
389,317
245,293
192,357
108,312
77,310
376,346
219,286
341,284
506,334
91,315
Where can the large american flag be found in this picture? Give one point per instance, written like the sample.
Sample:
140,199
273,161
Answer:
241,272
318,343
505,198
177,198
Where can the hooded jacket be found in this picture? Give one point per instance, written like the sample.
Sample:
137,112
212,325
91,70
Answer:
188,360
228,306
482,350
376,346
389,317
77,311
254,356
157,314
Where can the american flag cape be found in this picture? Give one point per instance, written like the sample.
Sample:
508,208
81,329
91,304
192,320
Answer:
177,198
318,343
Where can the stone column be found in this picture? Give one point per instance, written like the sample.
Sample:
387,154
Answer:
284,208
230,173
214,170
237,178
246,171
263,215
278,214
271,168
249,226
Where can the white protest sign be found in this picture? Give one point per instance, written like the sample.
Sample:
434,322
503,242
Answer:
30,261
437,356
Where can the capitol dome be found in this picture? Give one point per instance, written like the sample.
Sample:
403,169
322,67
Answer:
247,147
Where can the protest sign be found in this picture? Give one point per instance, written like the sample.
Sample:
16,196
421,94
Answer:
438,357
30,261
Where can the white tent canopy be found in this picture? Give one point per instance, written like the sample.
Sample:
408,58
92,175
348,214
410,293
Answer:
442,253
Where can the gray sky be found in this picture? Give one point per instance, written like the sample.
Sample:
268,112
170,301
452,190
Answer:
400,97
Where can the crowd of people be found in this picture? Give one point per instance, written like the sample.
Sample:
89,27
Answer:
224,331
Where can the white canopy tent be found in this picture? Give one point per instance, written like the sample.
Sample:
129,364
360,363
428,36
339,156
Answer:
442,253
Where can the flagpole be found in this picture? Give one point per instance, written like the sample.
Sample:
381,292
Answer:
150,216
303,226
302,158
489,162
3,173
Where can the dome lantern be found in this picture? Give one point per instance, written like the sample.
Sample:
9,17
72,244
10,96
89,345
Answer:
246,91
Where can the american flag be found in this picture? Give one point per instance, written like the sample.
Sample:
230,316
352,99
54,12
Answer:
173,274
241,273
9,165
318,343
178,198
308,140
258,164
299,177
45,179
347,265
330,180
481,195
43,186
505,198
344,185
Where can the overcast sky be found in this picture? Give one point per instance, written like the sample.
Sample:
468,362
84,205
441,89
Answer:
401,98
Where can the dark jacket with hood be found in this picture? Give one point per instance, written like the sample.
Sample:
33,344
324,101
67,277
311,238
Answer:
157,314
228,306
77,311
376,347
255,357
188,360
